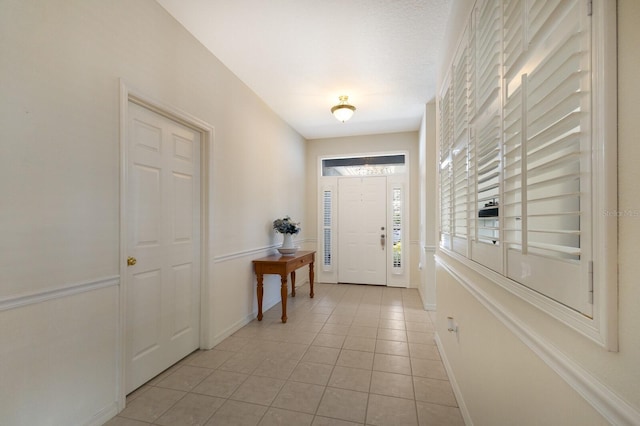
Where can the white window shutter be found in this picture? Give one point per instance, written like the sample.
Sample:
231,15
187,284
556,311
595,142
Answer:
327,228
538,139
446,130
514,47
547,154
486,135
459,152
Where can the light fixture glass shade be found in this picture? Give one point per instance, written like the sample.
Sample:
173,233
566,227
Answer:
343,111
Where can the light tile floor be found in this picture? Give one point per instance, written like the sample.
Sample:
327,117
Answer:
353,355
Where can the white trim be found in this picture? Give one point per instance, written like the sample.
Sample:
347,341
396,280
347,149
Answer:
429,249
121,335
207,132
567,316
602,399
454,383
605,131
244,253
58,293
104,415
253,251
232,329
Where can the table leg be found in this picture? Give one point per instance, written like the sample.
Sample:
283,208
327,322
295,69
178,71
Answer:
293,283
283,296
311,279
260,293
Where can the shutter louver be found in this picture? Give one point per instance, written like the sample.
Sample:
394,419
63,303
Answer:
513,55
545,179
327,229
445,169
487,55
487,159
486,133
459,152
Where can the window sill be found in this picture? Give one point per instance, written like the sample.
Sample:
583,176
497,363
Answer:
592,328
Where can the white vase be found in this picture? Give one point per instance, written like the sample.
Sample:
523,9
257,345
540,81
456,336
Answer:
287,249
287,243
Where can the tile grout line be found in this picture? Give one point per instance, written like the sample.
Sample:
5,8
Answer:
385,310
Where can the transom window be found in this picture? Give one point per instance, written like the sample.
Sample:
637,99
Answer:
381,165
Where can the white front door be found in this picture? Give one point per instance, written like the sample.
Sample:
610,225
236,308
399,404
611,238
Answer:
163,227
362,221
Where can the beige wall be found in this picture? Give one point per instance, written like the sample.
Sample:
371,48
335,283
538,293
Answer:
60,71
500,378
358,145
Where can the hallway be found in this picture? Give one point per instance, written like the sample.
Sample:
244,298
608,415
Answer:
354,354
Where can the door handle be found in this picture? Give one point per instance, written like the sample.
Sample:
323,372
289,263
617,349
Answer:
382,240
131,261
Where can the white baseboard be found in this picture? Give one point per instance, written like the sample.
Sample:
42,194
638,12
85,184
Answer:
232,329
454,384
429,306
266,305
104,415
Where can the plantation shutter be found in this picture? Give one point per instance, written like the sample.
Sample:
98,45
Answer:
460,169
547,140
539,145
487,134
327,229
445,169
513,49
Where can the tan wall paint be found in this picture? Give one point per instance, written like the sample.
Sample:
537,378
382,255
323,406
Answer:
62,61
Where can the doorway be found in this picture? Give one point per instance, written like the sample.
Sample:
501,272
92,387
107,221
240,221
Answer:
362,219
162,242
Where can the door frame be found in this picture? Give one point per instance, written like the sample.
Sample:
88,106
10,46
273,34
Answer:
129,94
329,273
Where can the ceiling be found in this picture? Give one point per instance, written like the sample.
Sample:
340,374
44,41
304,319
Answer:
298,56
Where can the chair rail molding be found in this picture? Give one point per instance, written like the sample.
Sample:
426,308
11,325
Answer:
63,291
598,395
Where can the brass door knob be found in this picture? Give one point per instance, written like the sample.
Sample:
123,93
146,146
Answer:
131,261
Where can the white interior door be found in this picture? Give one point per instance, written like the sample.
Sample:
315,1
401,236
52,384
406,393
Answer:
163,227
362,221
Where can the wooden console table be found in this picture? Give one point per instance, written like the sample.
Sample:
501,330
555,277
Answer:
283,266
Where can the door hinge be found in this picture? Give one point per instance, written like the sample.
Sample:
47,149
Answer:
589,7
591,282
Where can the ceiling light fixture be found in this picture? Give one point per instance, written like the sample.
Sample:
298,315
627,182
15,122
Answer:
343,111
